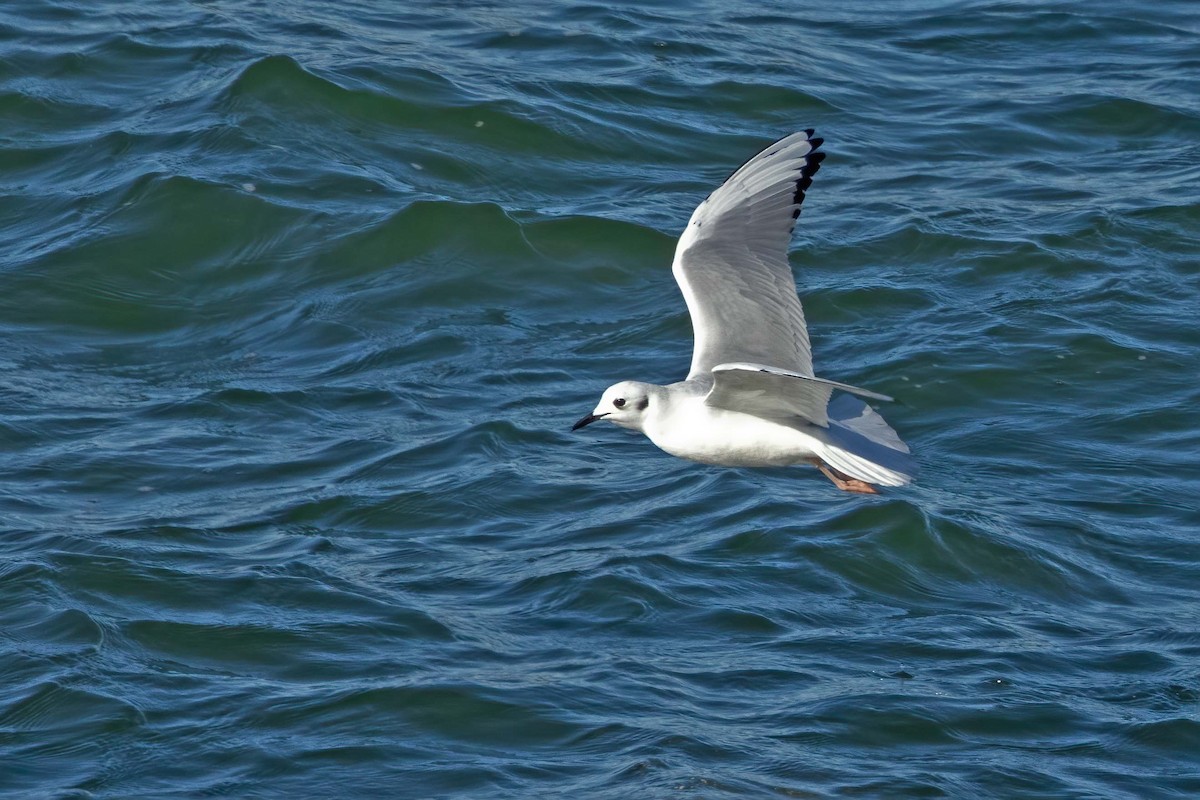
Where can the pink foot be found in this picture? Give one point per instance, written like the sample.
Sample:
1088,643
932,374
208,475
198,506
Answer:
843,481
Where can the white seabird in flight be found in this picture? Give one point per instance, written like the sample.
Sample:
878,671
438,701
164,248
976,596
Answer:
751,398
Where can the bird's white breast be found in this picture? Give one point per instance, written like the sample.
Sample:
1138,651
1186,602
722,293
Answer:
710,435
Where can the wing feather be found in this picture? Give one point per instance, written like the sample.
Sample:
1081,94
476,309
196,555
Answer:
776,393
732,267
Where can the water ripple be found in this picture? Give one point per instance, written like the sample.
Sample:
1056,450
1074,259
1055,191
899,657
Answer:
299,305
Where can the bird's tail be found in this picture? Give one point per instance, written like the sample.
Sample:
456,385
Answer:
861,444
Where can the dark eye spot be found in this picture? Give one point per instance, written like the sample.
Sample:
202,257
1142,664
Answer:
619,402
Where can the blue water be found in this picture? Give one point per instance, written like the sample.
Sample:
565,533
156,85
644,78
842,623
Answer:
298,302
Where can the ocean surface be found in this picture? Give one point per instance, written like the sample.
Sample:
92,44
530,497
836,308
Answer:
298,302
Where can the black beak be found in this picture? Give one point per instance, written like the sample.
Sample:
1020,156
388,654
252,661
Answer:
587,420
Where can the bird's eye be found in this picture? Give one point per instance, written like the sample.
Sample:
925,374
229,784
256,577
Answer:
619,402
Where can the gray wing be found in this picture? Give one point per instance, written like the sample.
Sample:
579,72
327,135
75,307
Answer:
731,262
860,443
776,393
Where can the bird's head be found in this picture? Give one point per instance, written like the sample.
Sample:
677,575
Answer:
626,403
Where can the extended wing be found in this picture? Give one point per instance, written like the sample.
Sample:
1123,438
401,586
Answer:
731,262
776,393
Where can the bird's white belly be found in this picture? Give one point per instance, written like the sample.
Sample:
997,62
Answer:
715,436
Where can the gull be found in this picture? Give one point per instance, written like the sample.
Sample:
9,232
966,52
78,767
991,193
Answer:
751,398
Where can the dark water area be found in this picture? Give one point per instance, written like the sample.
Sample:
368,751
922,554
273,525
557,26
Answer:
299,301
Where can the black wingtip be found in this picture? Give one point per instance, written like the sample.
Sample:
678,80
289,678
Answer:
812,163
771,150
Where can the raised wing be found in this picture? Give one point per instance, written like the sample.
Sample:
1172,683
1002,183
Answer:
731,262
776,393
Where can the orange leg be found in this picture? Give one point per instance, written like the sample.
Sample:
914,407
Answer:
843,481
